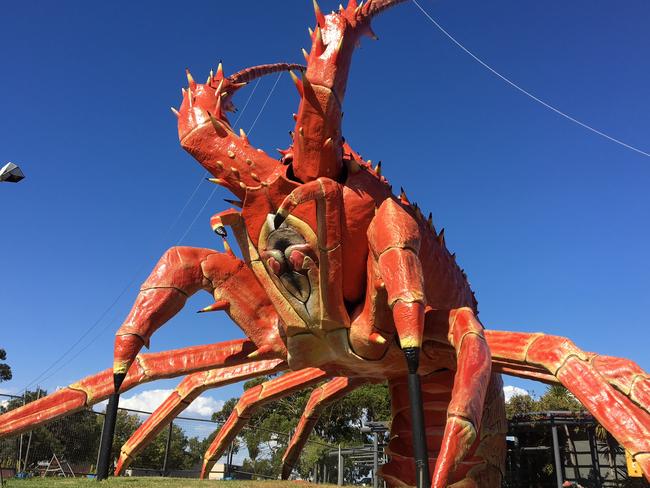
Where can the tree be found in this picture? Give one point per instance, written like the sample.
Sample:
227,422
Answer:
228,406
5,369
557,397
74,438
519,405
183,453
266,435
540,466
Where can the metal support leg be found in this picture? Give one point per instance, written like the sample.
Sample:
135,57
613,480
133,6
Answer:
422,476
107,437
556,454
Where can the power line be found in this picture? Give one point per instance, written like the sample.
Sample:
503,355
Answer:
525,92
41,377
78,353
85,334
250,130
265,102
206,174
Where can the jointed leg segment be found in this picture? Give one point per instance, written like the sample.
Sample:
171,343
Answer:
609,389
319,399
145,368
252,399
185,393
471,382
181,272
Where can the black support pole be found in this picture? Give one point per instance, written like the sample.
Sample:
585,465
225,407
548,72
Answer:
422,476
108,431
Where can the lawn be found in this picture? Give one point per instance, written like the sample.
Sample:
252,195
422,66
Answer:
151,482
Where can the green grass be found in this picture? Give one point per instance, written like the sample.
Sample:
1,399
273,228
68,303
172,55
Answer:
151,482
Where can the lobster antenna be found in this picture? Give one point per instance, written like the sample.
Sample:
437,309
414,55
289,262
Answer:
249,74
377,6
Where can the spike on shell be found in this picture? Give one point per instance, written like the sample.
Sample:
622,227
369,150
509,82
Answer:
441,237
297,82
190,80
236,203
320,18
218,305
218,126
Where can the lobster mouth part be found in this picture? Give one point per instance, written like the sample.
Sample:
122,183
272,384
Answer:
290,258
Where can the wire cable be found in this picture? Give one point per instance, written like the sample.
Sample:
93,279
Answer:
250,131
525,92
85,334
206,174
42,377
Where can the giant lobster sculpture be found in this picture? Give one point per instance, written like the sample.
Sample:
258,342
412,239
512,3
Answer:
339,279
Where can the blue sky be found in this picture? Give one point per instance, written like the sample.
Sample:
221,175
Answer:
548,219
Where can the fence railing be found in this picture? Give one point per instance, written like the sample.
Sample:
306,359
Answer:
178,450
74,440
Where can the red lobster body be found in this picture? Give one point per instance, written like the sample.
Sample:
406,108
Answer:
339,280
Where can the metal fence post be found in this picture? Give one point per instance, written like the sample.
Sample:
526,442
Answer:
20,450
101,436
340,472
375,460
556,453
29,440
595,462
167,446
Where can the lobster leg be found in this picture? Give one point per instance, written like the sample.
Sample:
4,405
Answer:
611,392
181,272
185,393
319,399
484,462
251,400
468,394
146,367
394,238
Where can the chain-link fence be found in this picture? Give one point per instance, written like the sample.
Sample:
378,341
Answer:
71,445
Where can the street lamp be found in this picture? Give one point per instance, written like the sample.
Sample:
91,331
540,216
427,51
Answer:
11,173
